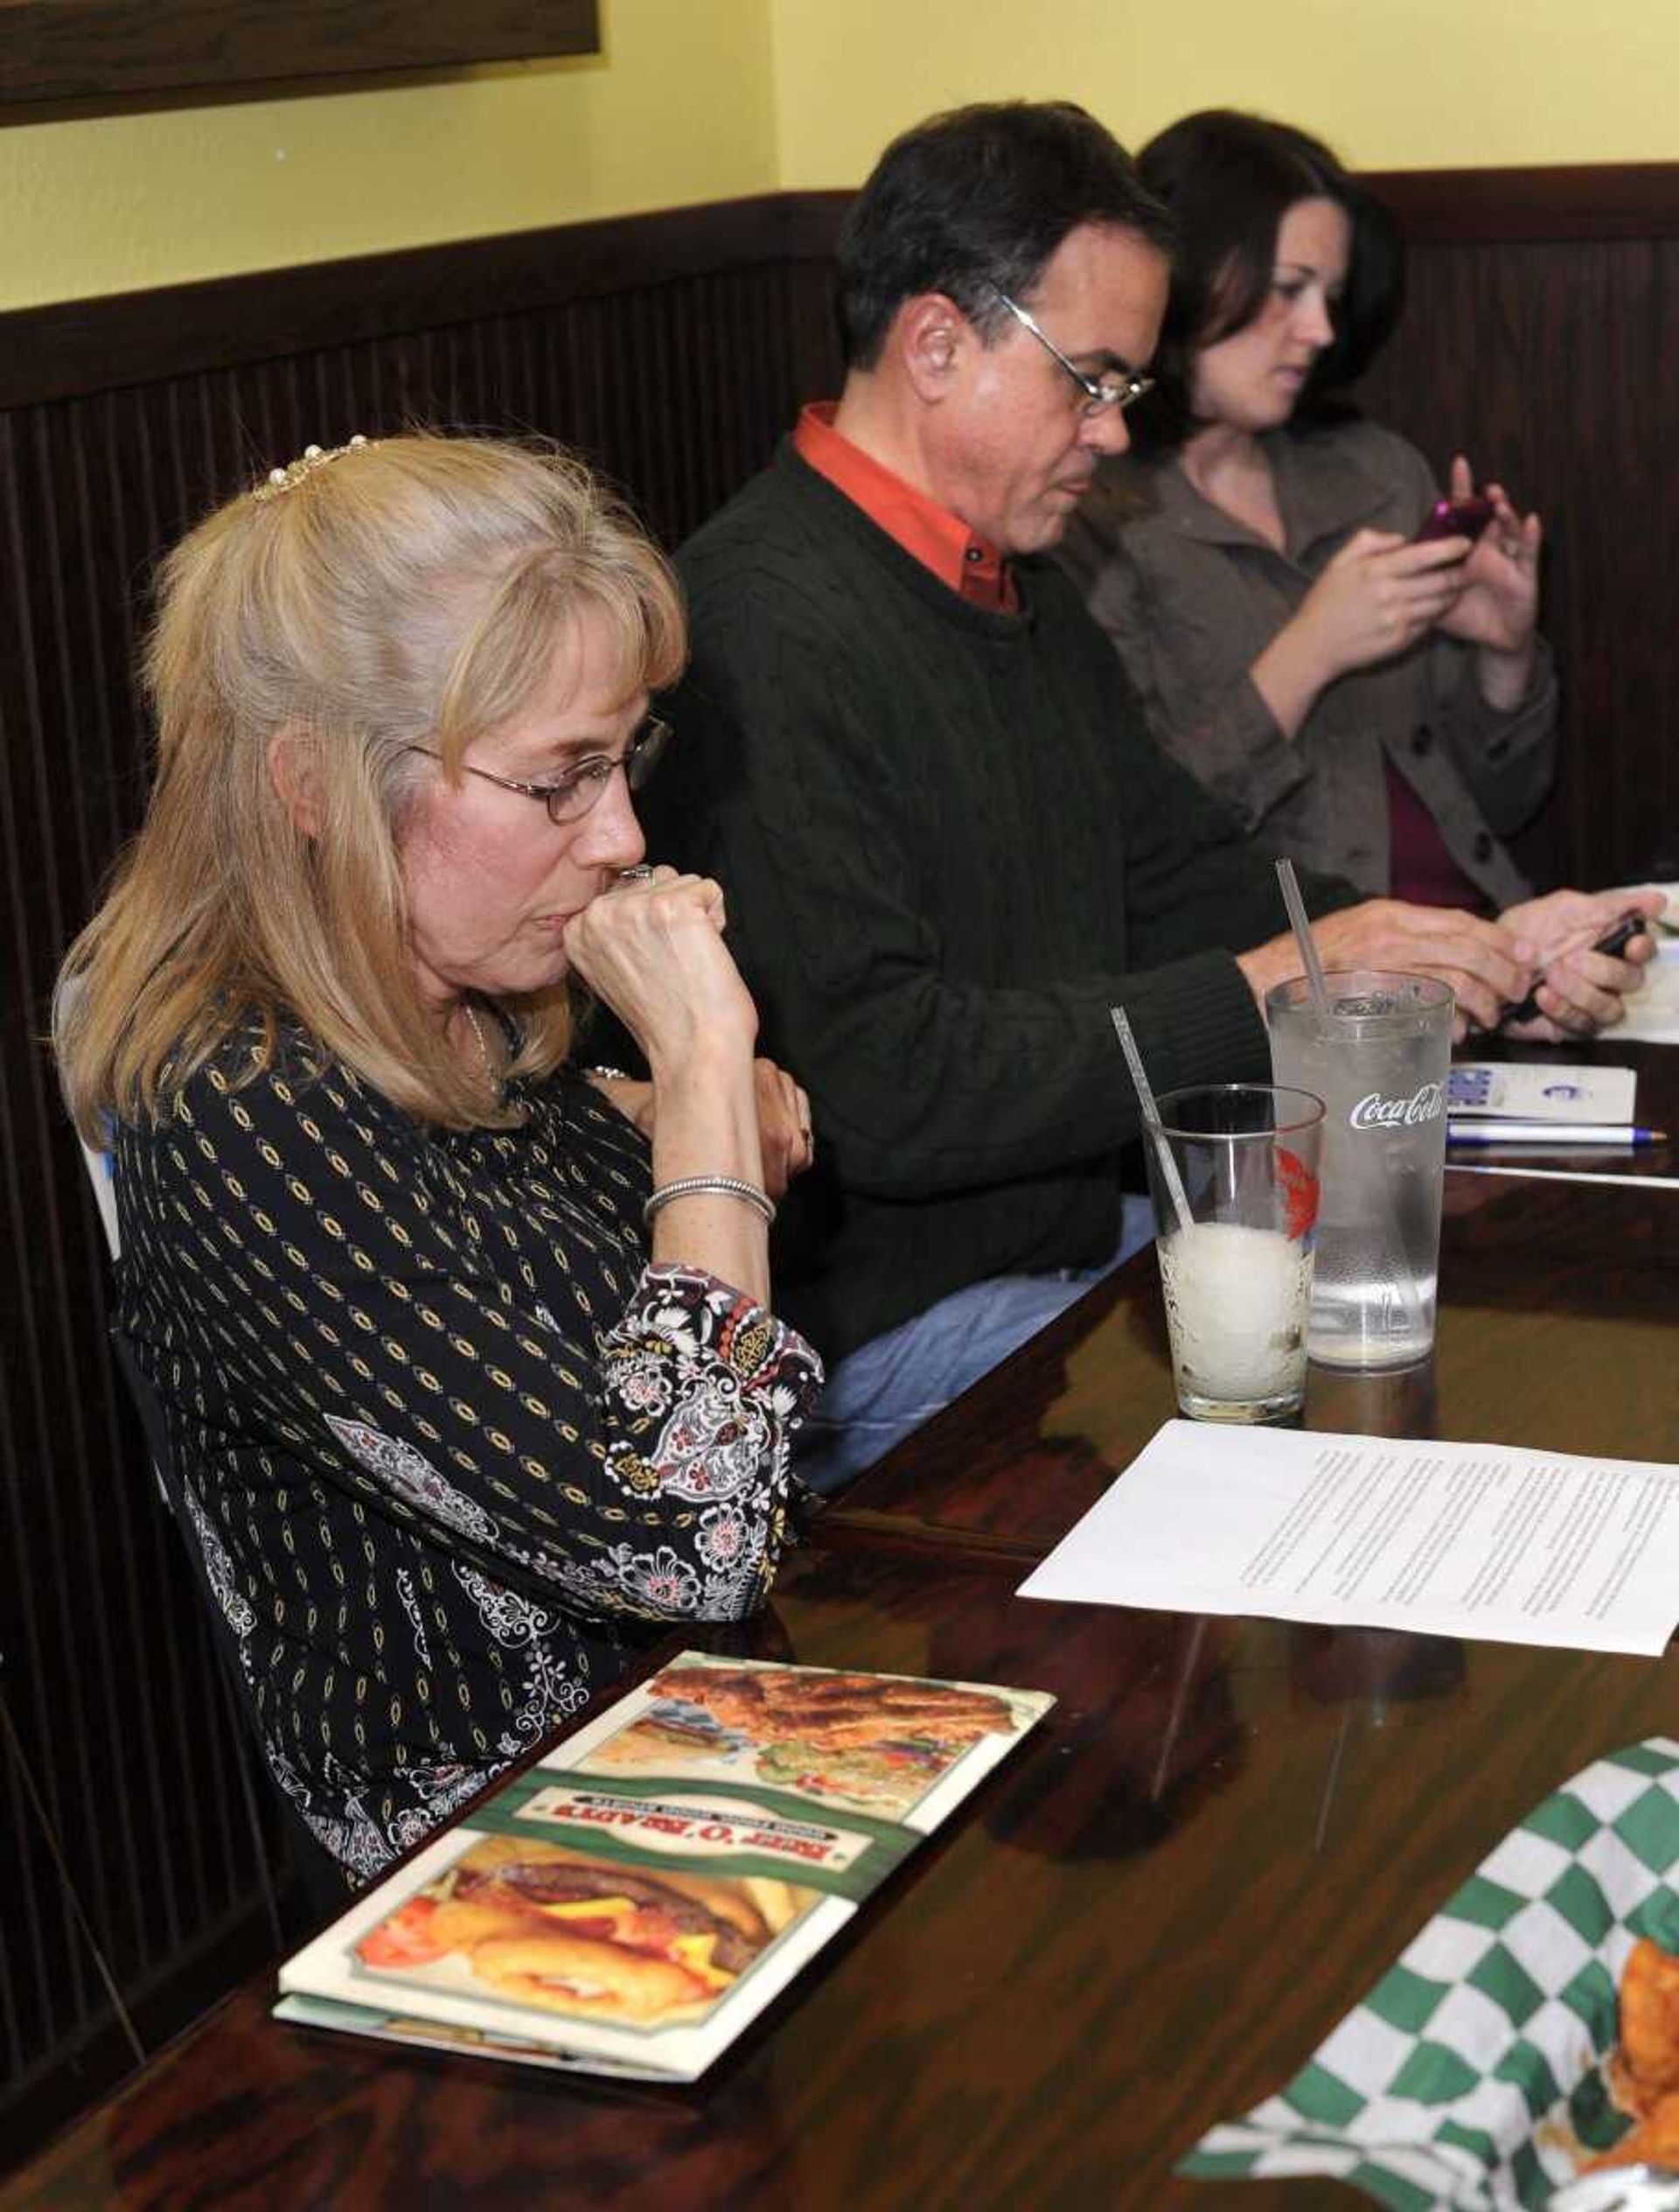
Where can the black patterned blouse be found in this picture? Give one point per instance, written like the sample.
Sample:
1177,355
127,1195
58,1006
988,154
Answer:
449,1442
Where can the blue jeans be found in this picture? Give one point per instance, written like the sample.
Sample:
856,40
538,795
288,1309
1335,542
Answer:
893,1383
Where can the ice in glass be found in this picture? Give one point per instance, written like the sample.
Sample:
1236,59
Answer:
1235,1244
1379,1063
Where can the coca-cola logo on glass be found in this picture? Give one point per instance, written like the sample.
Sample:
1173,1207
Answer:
1374,1112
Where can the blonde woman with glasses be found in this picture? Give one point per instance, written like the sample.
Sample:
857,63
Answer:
466,1356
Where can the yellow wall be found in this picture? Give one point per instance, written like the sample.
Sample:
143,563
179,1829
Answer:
698,100
677,109
1394,84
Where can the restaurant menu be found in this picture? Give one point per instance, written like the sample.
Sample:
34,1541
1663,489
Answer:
1494,1541
1526,2037
629,1904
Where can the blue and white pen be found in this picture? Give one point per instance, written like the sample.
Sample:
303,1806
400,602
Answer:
1550,1132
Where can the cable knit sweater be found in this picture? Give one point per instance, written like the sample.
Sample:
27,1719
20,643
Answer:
948,847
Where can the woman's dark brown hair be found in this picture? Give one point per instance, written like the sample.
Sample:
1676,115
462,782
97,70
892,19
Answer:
1228,180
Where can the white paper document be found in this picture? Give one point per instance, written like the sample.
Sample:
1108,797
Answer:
1482,1541
1652,1015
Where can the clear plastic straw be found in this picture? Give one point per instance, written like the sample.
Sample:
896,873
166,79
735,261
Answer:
1169,1173
1302,930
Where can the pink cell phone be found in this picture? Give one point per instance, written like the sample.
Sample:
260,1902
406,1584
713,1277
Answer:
1455,518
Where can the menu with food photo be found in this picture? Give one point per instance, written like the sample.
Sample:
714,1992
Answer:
630,1903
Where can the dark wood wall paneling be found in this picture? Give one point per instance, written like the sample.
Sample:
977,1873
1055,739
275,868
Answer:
1542,314
672,348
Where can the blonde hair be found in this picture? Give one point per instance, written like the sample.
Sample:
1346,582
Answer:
402,593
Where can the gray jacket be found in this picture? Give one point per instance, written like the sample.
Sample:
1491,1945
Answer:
1191,598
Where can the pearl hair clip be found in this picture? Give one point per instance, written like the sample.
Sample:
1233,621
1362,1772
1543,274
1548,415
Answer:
281,481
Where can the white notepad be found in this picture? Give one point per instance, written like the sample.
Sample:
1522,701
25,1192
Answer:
1532,1091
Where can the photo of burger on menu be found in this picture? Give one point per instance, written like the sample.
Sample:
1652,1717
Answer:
549,1927
630,1902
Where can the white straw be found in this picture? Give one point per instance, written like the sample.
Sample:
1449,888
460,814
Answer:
1173,1180
1302,930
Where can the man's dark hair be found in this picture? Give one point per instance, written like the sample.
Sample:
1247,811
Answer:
1229,180
977,201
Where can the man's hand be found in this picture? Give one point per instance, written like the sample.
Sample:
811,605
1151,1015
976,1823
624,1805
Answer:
1580,991
1488,965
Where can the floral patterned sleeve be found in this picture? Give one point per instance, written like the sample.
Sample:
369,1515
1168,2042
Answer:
459,1331
704,1385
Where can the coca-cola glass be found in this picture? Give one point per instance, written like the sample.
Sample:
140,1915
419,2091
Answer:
1378,1062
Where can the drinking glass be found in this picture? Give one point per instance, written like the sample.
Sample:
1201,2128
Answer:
1237,1271
1379,1062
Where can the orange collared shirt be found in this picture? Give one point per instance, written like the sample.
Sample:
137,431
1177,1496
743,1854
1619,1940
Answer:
939,540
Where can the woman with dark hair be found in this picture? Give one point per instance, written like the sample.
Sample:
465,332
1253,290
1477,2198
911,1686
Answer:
1375,704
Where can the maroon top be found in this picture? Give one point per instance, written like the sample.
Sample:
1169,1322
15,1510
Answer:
1420,863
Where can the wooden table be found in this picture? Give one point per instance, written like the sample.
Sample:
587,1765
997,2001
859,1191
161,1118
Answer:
1143,1923
1554,1329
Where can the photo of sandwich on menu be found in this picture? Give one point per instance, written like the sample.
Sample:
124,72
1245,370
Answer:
566,1933
630,1903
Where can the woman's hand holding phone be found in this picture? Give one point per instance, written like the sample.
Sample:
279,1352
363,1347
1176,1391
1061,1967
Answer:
1382,592
1378,595
1499,604
1465,518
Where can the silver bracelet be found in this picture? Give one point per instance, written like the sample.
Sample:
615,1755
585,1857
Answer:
723,1186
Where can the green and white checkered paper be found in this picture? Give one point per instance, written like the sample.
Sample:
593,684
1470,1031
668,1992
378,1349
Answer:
1460,2079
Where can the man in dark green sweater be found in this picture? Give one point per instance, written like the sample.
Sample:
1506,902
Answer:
949,845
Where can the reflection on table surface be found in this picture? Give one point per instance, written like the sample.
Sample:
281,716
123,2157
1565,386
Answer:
1146,1921
1219,1838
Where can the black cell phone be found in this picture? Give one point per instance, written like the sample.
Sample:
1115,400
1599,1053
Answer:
1628,927
1455,518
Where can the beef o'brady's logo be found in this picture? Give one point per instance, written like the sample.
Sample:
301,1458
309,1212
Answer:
1374,1112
